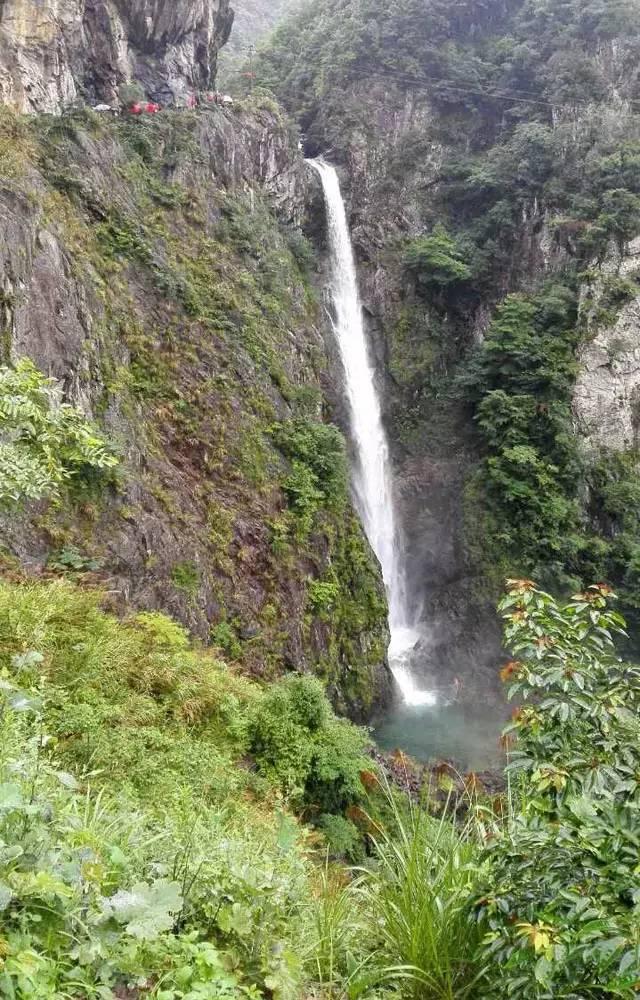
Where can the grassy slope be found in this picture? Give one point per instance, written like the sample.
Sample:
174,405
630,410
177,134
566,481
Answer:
157,735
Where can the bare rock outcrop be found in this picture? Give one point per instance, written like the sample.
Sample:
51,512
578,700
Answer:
53,54
607,392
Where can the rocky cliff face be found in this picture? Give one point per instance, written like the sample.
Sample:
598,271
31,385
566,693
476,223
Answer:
607,392
52,54
155,269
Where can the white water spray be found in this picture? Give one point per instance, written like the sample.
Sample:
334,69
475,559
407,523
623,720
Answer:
372,474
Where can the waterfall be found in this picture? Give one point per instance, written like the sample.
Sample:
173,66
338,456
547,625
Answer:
372,479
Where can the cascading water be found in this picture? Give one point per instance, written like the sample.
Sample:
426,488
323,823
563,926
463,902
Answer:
372,473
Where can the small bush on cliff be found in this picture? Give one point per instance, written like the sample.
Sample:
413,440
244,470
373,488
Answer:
45,445
321,448
322,597
562,901
318,476
437,259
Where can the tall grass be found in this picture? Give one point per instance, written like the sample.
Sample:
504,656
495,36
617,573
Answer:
420,896
343,955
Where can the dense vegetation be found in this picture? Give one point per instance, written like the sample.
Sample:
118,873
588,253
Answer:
148,848
184,819
154,858
166,824
47,444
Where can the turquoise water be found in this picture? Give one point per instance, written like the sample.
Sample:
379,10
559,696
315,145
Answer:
468,736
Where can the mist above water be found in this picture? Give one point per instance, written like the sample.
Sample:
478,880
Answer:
371,474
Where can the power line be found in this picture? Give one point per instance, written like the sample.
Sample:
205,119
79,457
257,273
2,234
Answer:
503,95
516,92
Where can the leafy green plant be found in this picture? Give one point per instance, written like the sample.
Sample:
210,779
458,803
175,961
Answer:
163,878
297,740
521,382
46,445
303,497
322,596
225,637
71,558
561,902
318,474
186,577
344,840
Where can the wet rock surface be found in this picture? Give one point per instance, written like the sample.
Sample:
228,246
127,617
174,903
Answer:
607,393
441,782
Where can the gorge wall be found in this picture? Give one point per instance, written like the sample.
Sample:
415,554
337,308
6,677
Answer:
156,270
54,54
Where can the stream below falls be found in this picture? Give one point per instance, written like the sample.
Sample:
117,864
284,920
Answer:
467,735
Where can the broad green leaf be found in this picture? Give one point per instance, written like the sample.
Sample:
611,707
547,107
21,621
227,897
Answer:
146,910
10,797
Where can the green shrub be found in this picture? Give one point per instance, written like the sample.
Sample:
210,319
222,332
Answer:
47,445
322,596
437,259
318,477
100,896
300,248
303,497
343,837
319,449
298,742
225,637
71,558
186,577
161,632
165,872
521,381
